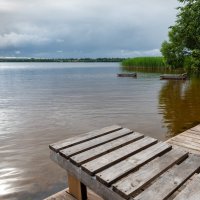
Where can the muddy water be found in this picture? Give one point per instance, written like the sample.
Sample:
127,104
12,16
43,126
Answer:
41,103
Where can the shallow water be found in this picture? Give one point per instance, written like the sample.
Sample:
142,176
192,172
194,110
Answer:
41,103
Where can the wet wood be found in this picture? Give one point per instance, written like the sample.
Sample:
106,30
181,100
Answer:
82,138
119,170
135,181
113,157
171,180
70,151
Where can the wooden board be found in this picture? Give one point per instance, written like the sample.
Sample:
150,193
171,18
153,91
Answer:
73,150
135,181
123,164
188,140
171,180
191,191
191,135
103,191
115,156
196,128
82,138
185,144
119,170
105,148
64,195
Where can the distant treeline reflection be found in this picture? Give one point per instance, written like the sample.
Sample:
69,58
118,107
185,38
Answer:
61,59
179,102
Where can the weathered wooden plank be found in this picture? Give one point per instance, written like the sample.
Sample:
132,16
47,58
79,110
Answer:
105,148
191,135
171,180
103,191
135,181
83,137
70,151
121,169
191,191
113,157
185,144
195,152
196,128
62,195
189,140
190,131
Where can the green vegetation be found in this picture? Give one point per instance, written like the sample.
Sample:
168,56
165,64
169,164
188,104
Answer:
183,47
151,64
61,59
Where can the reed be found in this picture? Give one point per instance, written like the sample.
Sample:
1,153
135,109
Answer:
151,64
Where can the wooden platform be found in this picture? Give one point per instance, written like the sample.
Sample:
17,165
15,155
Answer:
128,75
173,76
65,195
188,140
117,163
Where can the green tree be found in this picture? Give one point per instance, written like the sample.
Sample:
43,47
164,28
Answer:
183,47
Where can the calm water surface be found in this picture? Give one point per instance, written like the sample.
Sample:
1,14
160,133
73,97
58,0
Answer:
41,103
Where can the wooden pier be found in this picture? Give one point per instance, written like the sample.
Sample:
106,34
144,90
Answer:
117,163
188,140
174,76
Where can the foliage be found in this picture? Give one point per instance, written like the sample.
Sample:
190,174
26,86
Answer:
150,64
184,37
144,62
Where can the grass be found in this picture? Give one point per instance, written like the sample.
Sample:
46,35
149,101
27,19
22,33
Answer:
145,64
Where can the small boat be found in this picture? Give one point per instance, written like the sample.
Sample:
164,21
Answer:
127,75
173,76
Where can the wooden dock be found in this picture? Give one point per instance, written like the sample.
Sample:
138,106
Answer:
188,140
117,163
174,76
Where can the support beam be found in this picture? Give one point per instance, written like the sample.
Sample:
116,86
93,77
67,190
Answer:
76,188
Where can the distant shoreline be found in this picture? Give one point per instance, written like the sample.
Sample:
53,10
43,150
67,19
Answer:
61,59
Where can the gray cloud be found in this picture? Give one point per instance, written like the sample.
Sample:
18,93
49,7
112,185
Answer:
89,28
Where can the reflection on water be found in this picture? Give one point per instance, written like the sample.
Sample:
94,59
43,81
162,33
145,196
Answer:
41,103
180,105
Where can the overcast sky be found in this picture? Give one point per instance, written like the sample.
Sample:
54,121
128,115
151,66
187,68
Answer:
84,28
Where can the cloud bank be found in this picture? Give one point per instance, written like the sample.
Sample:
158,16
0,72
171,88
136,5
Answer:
89,28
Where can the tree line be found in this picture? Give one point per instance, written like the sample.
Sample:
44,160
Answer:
61,59
183,47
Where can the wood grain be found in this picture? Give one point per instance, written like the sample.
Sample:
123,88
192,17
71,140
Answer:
171,180
70,151
116,156
105,148
191,191
135,181
121,169
83,137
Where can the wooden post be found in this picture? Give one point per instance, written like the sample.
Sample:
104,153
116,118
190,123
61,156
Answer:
76,188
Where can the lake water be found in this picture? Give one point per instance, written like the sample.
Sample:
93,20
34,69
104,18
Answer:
41,103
